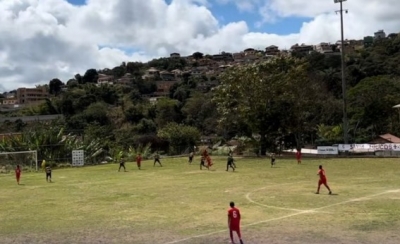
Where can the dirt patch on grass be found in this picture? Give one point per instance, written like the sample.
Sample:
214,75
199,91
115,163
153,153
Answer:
107,236
276,235
266,235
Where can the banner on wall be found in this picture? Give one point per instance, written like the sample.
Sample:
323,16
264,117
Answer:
328,150
369,147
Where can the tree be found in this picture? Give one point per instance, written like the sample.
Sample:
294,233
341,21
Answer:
180,137
146,126
273,98
72,83
49,107
181,94
19,125
118,71
134,68
78,78
67,107
200,112
134,114
198,55
135,96
304,102
90,76
167,111
107,94
145,87
245,96
329,135
95,114
55,86
84,101
371,102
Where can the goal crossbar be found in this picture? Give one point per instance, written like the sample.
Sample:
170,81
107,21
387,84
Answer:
24,152
19,152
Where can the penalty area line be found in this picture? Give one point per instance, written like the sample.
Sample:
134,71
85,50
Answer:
286,216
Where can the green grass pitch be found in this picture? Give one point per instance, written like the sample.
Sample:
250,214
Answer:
178,203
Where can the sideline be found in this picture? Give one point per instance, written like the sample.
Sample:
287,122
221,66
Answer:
289,215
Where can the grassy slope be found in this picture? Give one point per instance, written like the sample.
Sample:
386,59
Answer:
158,205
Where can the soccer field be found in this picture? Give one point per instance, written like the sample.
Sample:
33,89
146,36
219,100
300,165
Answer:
178,203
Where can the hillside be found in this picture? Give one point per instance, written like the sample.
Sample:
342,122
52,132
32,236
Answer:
171,102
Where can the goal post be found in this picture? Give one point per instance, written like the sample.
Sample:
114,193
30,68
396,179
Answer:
23,158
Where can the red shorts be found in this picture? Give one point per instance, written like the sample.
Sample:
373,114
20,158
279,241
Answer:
235,227
322,182
18,176
138,163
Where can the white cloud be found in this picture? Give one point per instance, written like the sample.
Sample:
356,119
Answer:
44,39
242,5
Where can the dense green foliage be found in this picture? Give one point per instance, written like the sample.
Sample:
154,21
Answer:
287,101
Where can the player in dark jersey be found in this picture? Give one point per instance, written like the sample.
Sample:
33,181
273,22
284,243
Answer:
272,159
230,153
122,164
157,159
191,155
230,163
48,173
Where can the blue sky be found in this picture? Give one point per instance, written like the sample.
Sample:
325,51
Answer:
229,13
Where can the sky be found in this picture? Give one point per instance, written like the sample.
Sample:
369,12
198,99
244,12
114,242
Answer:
45,39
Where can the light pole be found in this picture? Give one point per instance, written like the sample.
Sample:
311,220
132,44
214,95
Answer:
398,108
345,120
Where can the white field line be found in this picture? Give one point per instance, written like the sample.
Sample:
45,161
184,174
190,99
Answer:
287,216
270,206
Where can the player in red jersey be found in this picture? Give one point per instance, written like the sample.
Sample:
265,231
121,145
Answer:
234,222
203,163
298,156
205,153
209,162
322,180
139,160
18,173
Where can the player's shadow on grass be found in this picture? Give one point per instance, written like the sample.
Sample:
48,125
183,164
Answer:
21,184
334,194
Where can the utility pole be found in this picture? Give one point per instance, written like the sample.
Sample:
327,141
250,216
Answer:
345,119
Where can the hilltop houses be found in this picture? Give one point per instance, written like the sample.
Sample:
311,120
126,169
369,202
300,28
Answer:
204,68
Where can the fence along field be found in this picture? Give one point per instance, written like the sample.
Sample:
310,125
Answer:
178,203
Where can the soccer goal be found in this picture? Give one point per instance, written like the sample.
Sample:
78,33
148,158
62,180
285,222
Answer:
26,159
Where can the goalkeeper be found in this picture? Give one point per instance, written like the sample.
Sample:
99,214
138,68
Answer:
43,164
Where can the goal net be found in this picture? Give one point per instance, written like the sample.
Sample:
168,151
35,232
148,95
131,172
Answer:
10,160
